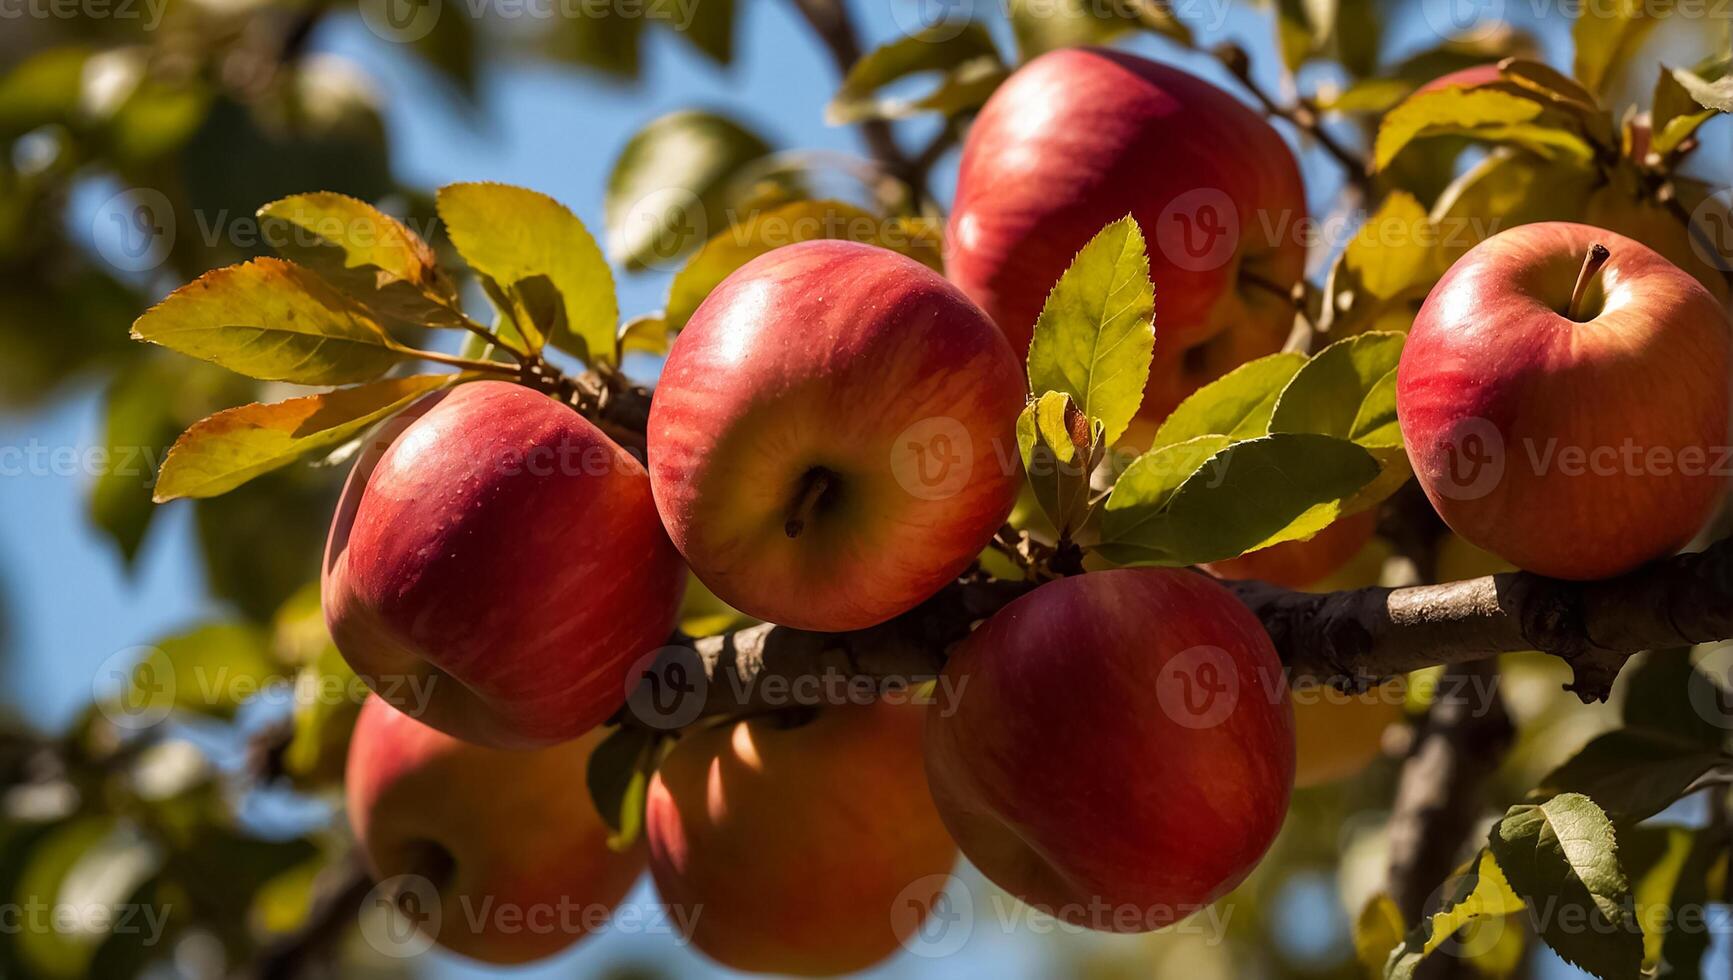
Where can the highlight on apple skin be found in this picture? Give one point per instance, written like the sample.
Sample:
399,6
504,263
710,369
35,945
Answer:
830,823
1145,704
1078,138
502,556
1574,432
521,869
834,436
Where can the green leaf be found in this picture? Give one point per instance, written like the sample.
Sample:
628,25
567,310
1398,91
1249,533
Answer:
138,421
647,334
1683,102
671,187
538,263
324,717
1480,894
1095,337
1237,404
231,447
1348,390
1250,495
1634,773
1393,252
618,777
797,221
1657,859
275,321
1606,37
709,28
1663,692
208,670
1562,855
1506,189
365,253
1060,447
1325,395
1047,25
967,62
1483,113
1378,929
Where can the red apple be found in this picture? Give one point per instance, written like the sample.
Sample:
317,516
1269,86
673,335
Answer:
1078,138
498,567
1121,749
507,843
812,850
834,436
1577,436
1299,564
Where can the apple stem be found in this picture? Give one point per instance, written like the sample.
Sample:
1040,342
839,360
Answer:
1592,262
817,482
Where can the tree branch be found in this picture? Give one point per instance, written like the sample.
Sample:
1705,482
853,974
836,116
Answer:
1350,639
829,20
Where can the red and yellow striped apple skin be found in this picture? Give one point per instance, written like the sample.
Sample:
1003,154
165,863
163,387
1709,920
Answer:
1498,391
859,362
525,840
1081,137
1147,705
506,554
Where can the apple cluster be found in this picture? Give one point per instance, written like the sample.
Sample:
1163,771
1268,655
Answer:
832,441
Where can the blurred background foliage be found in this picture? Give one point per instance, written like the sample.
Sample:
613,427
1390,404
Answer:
111,126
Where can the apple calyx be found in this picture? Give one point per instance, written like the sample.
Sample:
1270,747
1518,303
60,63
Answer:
431,862
814,485
1597,256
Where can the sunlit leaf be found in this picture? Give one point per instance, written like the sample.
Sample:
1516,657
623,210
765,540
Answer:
1237,404
1487,114
1250,495
1562,855
364,252
274,321
537,260
1095,337
234,446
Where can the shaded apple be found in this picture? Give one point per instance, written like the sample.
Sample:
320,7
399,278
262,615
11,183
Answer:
1336,733
508,842
1568,414
812,850
1121,750
1078,138
496,565
833,437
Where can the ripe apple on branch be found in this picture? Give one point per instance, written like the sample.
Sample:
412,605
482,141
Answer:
834,446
